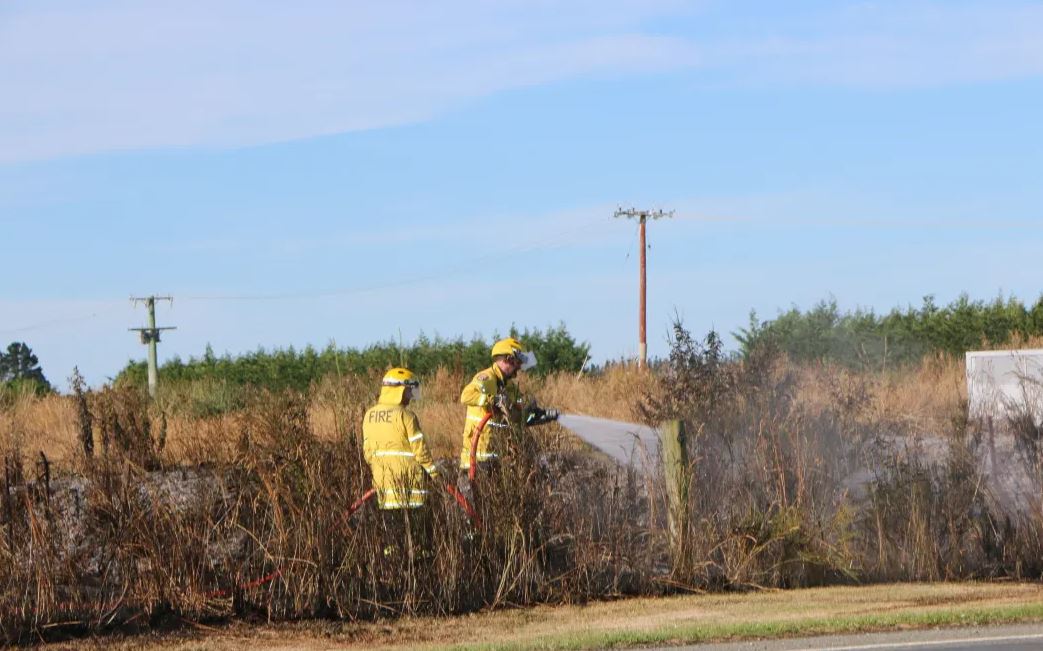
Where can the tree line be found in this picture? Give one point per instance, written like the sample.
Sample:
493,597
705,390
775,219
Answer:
20,370
861,337
555,348
857,338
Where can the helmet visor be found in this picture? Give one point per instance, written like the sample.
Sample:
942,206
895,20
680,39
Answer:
396,382
527,359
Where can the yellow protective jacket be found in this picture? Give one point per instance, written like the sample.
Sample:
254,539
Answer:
397,455
479,396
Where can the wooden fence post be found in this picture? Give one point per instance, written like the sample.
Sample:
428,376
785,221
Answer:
675,472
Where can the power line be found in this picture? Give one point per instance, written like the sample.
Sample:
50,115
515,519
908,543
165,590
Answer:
49,324
551,241
559,239
630,249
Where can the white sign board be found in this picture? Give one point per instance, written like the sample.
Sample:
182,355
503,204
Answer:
1003,383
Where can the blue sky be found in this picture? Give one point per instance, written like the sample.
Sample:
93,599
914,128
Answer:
299,173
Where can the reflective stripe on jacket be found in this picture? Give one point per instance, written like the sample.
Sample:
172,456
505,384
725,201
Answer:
397,455
479,395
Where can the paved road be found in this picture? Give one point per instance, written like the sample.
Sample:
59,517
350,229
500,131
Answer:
625,442
1020,637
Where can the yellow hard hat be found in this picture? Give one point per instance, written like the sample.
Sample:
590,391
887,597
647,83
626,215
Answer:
400,377
514,348
393,386
508,346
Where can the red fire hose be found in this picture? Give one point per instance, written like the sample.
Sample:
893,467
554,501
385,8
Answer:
360,501
256,583
464,504
474,446
371,493
452,490
268,578
355,506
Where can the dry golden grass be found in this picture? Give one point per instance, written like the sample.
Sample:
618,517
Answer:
924,398
33,425
611,394
1018,341
197,440
49,424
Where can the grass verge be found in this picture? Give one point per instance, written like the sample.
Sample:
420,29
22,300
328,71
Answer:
636,622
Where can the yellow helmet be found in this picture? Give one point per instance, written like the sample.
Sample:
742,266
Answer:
508,346
393,386
514,348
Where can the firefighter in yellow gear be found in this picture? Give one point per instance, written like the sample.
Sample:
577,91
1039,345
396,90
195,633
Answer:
492,393
394,445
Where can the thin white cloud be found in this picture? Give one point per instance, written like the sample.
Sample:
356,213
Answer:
80,78
120,75
885,45
529,232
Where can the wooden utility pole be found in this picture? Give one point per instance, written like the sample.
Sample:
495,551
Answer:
150,337
642,216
